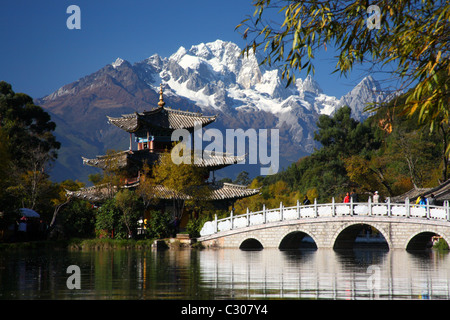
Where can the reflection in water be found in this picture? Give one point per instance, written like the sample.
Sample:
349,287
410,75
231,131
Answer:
227,274
326,274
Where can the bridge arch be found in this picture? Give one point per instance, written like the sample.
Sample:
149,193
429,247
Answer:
295,239
344,237
421,240
251,244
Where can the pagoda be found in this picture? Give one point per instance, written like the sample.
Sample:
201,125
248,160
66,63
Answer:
152,131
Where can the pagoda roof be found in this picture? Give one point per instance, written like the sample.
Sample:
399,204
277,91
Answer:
160,119
219,191
95,193
216,160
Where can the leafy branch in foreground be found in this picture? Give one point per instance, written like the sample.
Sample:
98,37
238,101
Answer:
414,35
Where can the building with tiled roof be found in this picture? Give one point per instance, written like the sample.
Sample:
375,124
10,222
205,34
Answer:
160,120
440,192
127,158
152,131
218,191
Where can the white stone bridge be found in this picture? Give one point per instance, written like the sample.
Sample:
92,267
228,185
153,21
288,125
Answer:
331,225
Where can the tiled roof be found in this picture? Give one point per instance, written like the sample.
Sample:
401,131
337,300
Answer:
441,192
94,194
119,159
231,191
215,160
218,192
161,118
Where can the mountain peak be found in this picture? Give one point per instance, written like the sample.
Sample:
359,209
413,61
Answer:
309,85
370,83
368,90
201,50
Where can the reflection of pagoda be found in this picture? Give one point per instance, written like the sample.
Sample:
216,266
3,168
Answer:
152,130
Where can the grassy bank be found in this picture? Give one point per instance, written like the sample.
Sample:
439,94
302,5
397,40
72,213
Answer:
109,244
34,245
90,244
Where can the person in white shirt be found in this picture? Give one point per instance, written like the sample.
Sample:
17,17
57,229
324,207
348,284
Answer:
376,197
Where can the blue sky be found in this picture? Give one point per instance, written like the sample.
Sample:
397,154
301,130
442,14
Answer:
39,54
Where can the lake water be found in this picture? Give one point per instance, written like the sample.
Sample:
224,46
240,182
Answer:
226,274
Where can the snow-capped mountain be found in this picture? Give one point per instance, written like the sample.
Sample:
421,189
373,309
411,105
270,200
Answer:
215,75
367,91
210,77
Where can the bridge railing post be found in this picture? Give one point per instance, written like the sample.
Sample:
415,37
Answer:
215,223
408,208
248,217
428,210
316,213
298,209
370,206
351,207
333,207
231,219
281,211
264,214
389,213
447,209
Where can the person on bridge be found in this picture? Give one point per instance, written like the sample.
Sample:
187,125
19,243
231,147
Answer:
347,198
354,196
432,200
376,197
423,201
306,201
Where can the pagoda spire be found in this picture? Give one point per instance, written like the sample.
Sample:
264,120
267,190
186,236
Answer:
161,102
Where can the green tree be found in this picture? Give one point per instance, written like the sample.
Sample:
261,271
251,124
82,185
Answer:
31,149
243,178
59,199
185,182
417,154
159,224
107,220
29,128
413,35
132,208
342,135
78,219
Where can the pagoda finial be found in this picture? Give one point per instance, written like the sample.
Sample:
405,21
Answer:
161,102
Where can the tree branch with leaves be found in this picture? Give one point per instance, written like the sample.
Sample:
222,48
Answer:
413,35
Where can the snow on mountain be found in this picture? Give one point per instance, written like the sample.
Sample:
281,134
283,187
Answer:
365,92
213,77
217,78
